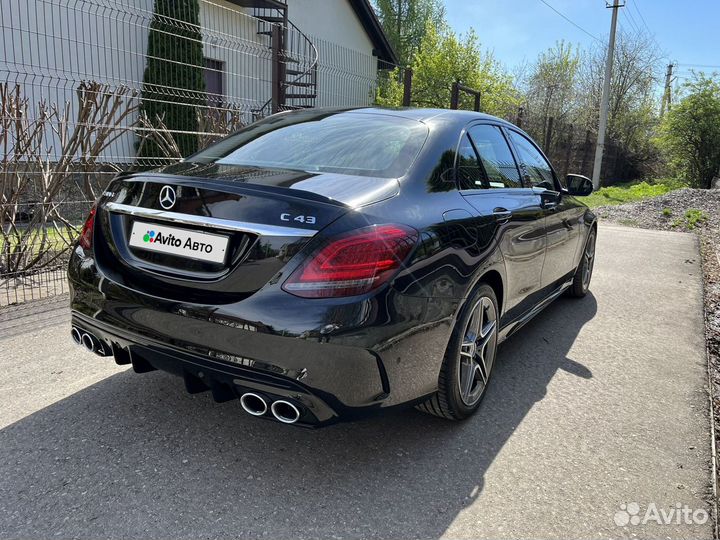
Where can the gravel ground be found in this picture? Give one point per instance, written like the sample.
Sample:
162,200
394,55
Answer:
651,213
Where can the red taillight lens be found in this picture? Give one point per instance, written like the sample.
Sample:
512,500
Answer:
353,264
86,235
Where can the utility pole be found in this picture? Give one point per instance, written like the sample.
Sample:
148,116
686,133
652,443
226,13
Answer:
666,94
600,147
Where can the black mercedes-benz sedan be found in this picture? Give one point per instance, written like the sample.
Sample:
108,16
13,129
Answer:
320,265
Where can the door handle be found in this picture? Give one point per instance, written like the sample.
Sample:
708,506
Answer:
549,205
502,215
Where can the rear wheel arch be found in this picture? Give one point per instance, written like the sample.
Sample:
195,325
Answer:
495,281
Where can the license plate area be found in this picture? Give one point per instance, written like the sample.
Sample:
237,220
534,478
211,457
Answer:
169,243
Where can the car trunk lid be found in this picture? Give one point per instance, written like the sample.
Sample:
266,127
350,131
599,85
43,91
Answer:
217,235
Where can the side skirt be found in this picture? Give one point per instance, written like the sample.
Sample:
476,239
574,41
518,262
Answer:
513,326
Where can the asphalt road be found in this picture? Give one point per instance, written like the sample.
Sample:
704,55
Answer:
597,403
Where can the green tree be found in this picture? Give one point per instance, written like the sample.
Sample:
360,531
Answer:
690,132
405,22
551,87
173,84
445,57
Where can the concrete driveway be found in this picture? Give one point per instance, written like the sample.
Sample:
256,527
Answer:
597,403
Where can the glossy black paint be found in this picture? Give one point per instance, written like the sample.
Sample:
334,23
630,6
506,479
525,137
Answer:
230,327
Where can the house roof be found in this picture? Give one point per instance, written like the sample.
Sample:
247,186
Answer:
382,48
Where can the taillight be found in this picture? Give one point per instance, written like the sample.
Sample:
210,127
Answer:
354,263
86,235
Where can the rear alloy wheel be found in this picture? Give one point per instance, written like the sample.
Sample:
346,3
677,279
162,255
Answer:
583,274
469,359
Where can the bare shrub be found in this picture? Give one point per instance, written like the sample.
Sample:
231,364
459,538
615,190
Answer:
29,141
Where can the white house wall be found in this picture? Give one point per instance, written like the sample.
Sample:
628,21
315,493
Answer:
50,46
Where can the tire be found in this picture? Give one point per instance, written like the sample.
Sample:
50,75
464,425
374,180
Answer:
583,273
467,365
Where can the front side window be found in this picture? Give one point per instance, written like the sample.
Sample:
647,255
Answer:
344,143
537,169
496,157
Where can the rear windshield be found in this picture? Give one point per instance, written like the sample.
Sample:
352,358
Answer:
350,143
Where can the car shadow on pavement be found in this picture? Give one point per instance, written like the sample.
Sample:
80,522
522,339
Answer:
134,456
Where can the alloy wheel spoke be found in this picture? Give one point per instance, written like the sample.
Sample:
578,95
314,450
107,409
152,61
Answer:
476,322
475,365
482,368
466,349
467,377
486,332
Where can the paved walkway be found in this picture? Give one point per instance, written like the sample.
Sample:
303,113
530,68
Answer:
596,404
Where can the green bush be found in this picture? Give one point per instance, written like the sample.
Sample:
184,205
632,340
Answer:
692,219
173,83
695,217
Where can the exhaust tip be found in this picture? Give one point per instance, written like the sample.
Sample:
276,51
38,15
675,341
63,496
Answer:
88,342
285,411
253,404
76,336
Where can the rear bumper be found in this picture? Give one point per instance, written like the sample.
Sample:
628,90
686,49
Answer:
222,379
339,359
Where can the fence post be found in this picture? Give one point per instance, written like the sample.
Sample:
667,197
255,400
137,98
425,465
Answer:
548,134
276,80
586,151
407,86
477,102
455,95
569,148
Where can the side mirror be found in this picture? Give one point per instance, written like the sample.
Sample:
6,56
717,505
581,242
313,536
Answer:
579,185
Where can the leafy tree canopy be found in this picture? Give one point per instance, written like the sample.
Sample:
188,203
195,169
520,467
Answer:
690,132
405,22
444,57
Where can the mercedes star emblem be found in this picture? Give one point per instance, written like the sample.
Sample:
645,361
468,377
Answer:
167,197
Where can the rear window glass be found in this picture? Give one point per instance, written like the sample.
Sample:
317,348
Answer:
350,143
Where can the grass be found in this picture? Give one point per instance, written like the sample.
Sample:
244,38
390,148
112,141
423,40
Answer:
56,239
631,192
692,219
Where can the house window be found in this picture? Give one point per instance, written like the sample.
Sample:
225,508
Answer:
213,74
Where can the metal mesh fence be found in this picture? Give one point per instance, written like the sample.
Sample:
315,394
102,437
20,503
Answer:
89,88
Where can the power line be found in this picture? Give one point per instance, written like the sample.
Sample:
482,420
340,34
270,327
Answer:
632,22
699,66
637,10
650,33
576,25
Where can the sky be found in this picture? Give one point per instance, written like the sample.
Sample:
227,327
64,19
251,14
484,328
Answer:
516,30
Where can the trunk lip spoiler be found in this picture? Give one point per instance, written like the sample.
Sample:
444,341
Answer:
260,229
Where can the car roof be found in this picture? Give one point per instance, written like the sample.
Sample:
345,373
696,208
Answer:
425,115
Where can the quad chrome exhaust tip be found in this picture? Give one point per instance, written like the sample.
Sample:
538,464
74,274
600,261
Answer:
253,404
285,412
76,335
88,342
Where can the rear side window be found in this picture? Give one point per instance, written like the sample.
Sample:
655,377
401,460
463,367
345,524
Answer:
350,143
496,158
537,168
470,174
